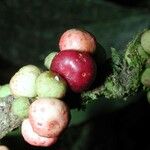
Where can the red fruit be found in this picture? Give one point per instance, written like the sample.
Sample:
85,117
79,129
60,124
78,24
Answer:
79,69
77,39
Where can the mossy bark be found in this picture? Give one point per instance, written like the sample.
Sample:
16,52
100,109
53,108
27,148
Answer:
125,79
8,121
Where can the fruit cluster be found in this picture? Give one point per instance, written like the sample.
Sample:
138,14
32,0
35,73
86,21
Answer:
38,94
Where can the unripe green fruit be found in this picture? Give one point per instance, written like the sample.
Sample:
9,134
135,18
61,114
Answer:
145,41
145,79
23,82
5,90
50,84
142,53
48,60
148,96
30,69
3,147
20,107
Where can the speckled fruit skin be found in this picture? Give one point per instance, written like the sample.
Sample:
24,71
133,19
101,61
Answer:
49,117
78,69
77,39
33,138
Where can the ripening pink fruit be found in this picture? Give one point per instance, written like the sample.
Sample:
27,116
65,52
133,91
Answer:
33,138
49,117
79,40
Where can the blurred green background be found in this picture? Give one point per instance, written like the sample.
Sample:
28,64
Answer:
30,29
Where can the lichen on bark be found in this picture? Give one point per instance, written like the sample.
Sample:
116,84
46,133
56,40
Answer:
124,81
8,121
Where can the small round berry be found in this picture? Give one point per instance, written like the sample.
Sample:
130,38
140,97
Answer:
49,117
77,68
48,59
145,78
49,84
79,40
33,138
23,82
145,41
5,90
20,107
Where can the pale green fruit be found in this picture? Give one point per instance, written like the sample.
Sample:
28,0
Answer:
3,147
30,69
5,90
20,107
142,53
23,82
148,96
145,41
145,78
49,84
48,59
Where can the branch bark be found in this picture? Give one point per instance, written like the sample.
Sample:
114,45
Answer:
8,121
